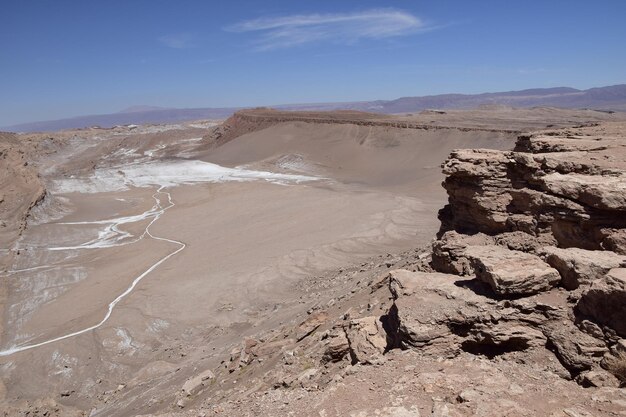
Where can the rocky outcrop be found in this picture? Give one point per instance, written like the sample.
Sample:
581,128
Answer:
508,272
550,213
552,184
444,315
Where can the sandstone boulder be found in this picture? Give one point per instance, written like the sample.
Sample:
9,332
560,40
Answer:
605,301
195,384
308,326
242,355
576,350
337,346
367,339
581,267
524,242
605,192
266,349
449,252
428,305
598,378
505,337
614,240
511,273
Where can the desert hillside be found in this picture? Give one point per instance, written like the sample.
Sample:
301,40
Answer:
21,188
317,263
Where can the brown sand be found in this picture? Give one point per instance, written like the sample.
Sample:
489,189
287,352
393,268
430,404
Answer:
249,244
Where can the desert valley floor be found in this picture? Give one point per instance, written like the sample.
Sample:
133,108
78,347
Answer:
138,261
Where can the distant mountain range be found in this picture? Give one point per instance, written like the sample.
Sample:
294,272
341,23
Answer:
601,98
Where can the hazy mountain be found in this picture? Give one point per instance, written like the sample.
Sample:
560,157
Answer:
607,98
124,117
602,98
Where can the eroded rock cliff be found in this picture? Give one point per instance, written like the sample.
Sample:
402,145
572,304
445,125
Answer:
568,184
550,213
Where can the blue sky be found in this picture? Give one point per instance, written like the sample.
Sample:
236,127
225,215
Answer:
68,58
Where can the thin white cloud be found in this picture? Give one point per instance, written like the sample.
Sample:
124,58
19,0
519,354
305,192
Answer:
177,40
345,28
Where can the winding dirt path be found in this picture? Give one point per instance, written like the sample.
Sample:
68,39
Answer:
158,213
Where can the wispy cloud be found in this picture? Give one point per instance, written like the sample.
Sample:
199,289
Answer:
177,40
345,28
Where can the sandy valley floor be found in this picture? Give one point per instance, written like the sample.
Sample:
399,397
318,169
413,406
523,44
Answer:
144,259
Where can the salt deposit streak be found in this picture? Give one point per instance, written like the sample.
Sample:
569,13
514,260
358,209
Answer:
111,235
120,297
162,174
167,174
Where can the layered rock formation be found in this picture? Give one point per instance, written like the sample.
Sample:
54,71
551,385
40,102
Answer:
550,213
569,185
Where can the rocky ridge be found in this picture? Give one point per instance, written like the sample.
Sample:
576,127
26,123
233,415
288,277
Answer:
247,121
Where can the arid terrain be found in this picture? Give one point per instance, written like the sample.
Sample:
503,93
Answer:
440,263
608,98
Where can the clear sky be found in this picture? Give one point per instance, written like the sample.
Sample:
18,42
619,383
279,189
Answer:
67,58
